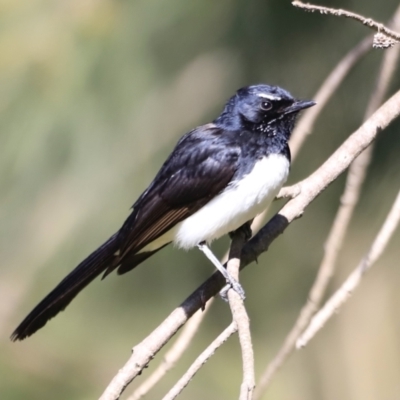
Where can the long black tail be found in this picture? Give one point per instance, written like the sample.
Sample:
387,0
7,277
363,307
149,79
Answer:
67,289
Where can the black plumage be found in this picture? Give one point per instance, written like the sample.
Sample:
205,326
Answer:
207,161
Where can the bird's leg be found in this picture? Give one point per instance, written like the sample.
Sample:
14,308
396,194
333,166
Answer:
236,286
247,233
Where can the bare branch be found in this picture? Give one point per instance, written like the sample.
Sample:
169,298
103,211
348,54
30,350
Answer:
357,170
322,177
340,297
325,272
289,192
310,189
173,355
340,225
306,123
241,319
200,361
379,27
145,351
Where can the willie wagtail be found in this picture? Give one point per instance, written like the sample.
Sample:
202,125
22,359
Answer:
218,177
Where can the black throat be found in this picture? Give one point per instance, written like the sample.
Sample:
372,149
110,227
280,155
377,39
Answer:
262,138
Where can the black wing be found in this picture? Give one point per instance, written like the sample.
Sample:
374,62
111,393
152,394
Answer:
201,166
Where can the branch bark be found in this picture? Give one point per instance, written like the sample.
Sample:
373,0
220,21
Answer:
306,123
241,318
200,361
173,355
379,27
349,200
310,189
342,295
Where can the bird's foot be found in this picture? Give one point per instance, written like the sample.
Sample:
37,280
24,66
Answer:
245,229
232,282
237,288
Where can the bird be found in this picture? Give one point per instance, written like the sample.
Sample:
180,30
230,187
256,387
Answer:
216,180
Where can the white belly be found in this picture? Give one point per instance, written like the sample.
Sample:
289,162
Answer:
239,203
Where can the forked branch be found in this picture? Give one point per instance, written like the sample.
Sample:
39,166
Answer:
310,189
340,225
340,297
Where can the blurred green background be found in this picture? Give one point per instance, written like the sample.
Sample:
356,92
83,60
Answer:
94,95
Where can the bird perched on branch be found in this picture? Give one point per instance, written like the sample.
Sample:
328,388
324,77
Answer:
217,179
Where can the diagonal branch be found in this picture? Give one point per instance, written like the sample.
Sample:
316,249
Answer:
240,323
301,132
335,239
349,200
340,297
173,355
200,361
311,187
306,123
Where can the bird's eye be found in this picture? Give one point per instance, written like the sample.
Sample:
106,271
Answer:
266,105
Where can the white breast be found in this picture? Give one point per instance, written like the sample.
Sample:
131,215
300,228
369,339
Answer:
239,203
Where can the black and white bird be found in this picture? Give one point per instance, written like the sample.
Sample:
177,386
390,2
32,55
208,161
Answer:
218,177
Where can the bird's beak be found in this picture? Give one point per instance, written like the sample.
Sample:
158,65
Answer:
299,105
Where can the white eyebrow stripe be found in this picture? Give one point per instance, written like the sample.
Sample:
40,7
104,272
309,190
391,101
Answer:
269,97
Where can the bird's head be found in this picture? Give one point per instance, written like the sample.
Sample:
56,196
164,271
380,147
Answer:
261,107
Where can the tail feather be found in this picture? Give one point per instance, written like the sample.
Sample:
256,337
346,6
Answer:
59,298
132,261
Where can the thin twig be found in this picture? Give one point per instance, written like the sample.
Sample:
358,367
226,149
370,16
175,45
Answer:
173,355
200,361
349,199
325,271
325,92
306,122
340,297
311,187
379,27
303,129
238,320
241,318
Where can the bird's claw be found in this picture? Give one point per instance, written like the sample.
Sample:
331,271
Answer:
245,229
236,286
